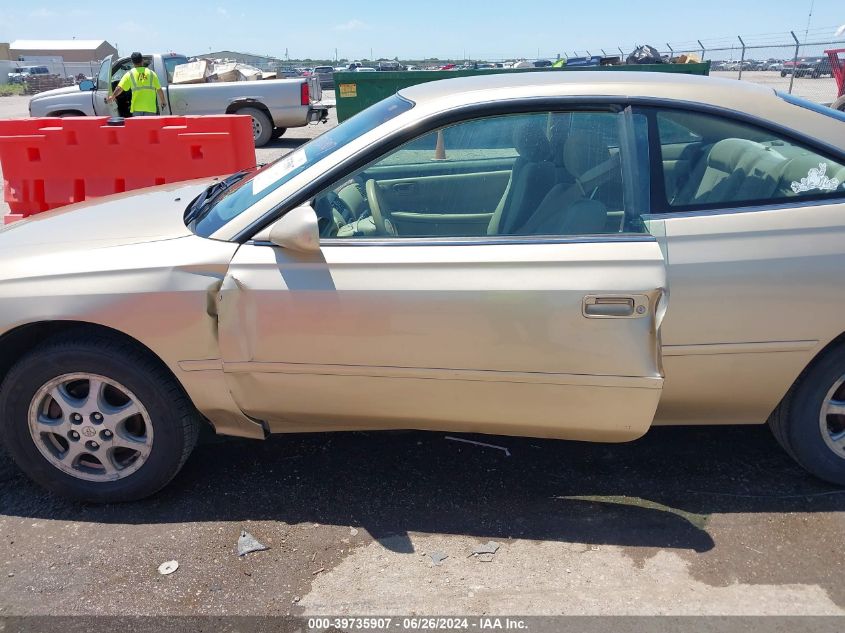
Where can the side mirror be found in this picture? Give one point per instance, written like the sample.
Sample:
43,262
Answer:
297,230
86,85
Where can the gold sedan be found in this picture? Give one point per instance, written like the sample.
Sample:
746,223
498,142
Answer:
564,255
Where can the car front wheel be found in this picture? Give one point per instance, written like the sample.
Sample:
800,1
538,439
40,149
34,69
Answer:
96,418
810,422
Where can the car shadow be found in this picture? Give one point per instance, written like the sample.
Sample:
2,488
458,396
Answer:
658,491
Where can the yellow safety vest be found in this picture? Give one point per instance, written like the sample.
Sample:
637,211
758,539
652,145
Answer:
143,90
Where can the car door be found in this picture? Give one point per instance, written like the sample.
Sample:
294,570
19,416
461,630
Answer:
104,89
549,327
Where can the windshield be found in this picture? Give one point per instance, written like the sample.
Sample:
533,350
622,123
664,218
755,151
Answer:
810,105
266,180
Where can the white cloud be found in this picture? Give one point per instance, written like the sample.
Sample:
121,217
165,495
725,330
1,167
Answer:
352,25
43,13
221,11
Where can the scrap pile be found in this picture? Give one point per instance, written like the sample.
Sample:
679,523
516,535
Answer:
207,71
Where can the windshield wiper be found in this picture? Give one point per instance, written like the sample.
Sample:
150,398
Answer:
211,193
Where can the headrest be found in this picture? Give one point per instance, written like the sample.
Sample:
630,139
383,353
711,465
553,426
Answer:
582,152
531,142
727,153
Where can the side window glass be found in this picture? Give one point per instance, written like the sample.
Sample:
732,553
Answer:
103,76
121,70
170,64
553,174
726,163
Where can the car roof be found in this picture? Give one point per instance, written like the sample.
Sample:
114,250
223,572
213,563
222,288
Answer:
745,97
602,83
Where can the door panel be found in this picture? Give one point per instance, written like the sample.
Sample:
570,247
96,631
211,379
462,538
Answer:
447,205
489,338
104,89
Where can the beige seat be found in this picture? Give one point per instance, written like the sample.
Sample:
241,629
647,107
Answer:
570,209
532,177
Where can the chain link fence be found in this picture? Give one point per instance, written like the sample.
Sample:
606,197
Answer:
787,62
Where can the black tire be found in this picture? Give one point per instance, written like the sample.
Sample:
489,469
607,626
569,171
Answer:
796,422
278,132
262,126
175,421
783,73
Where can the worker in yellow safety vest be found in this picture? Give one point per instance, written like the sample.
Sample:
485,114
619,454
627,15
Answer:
145,86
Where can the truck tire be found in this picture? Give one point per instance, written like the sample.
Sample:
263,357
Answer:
839,104
279,131
810,424
125,442
262,126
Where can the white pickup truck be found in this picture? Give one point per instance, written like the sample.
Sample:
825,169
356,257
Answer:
274,105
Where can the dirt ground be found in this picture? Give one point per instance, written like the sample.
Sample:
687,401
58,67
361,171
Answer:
683,521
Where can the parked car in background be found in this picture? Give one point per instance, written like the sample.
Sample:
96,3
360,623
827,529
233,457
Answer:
20,74
814,67
389,66
326,76
274,105
365,69
627,250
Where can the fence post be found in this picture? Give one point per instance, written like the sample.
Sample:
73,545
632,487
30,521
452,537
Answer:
602,52
794,61
742,57
621,52
671,50
703,50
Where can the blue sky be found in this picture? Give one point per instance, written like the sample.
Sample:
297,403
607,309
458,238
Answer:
471,28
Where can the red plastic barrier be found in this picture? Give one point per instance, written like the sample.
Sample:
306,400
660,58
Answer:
52,162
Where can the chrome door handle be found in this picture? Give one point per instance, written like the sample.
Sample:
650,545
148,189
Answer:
615,306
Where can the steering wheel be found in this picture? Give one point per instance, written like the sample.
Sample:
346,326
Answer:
341,215
378,209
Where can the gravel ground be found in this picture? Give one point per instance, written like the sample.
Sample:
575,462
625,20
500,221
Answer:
683,521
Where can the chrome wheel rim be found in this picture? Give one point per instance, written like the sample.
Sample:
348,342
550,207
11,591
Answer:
90,427
832,418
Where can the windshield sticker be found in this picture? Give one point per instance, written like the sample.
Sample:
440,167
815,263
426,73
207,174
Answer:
816,179
278,171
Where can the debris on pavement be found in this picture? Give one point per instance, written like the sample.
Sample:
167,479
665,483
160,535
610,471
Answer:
319,571
485,552
466,441
247,544
165,569
353,531
438,557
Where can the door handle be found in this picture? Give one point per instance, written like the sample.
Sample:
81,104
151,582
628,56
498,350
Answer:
615,306
404,188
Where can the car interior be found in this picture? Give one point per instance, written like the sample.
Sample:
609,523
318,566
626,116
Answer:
715,161
550,173
561,174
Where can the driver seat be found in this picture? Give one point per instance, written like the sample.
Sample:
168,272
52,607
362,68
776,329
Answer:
532,177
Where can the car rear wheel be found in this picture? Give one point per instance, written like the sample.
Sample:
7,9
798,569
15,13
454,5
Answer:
262,126
810,422
95,418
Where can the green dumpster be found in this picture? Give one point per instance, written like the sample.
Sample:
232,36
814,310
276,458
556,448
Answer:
356,91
